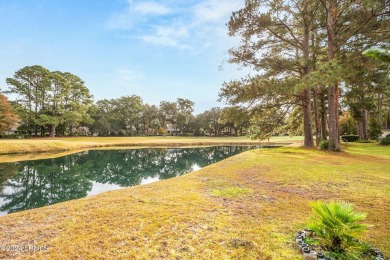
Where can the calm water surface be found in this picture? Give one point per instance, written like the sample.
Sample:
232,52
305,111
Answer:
32,184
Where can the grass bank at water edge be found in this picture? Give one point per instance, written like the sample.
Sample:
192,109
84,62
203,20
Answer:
246,207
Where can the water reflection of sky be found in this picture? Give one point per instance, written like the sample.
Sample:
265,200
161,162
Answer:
33,184
102,187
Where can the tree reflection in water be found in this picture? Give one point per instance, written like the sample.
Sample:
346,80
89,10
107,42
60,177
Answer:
31,184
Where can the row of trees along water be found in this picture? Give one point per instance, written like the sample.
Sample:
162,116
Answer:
308,64
58,104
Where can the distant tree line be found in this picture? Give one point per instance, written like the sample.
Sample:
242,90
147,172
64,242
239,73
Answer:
59,104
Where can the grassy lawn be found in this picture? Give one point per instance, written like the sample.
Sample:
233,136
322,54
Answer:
79,143
246,207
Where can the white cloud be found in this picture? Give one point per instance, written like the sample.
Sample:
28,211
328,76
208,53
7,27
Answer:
200,25
215,10
149,8
170,36
137,13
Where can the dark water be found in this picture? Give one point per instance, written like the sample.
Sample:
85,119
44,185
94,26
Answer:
32,184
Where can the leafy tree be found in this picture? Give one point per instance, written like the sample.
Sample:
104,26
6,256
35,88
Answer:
51,99
209,122
149,119
236,118
168,114
31,85
347,124
76,102
185,109
8,118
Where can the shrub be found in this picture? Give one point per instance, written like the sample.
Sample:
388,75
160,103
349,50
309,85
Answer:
324,145
374,129
336,224
385,141
350,138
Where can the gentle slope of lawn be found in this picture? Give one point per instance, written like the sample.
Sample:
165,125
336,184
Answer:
79,143
246,207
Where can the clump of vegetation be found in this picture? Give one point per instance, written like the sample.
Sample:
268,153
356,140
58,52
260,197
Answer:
350,138
232,192
337,225
385,141
324,145
374,129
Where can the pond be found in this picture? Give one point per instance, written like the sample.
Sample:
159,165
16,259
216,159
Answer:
32,184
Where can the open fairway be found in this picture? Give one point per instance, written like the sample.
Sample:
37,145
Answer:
79,143
246,207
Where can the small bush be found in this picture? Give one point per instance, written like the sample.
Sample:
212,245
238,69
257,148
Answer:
385,141
350,138
324,145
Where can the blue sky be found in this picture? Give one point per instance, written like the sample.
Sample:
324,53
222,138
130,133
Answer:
159,50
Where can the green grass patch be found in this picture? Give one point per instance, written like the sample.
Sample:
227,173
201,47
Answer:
232,192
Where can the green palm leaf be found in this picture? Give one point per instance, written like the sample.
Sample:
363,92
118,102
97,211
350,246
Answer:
336,224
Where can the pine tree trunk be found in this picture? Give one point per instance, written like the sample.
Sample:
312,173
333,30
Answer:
316,117
307,124
388,118
360,130
333,89
306,99
323,118
53,131
365,124
380,107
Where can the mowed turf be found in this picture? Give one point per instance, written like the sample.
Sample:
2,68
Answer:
79,143
248,206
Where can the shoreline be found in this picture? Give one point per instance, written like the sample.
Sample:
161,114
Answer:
68,145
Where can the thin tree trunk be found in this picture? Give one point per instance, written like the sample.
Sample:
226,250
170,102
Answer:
359,127
380,107
388,118
53,130
333,90
365,124
307,124
323,118
306,99
316,117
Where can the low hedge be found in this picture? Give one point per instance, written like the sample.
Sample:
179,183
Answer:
350,138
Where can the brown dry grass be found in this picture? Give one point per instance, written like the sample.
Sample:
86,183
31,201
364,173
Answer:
24,146
185,218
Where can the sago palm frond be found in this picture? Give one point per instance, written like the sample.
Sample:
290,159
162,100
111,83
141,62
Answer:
336,223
